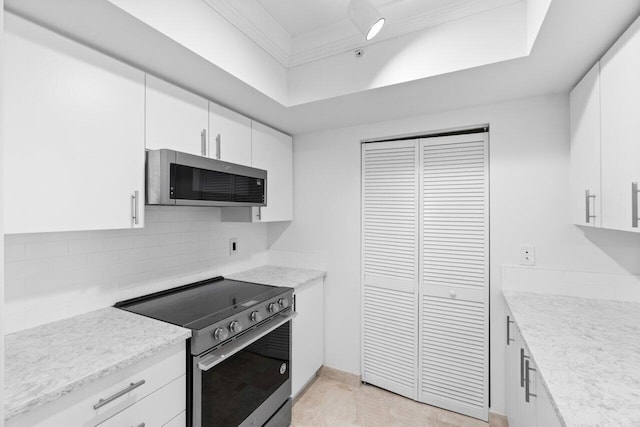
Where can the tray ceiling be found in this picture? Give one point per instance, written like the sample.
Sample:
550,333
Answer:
296,32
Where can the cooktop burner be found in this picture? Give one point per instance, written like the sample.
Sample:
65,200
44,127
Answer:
201,304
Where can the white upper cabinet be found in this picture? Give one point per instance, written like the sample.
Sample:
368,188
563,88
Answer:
175,118
605,139
620,101
229,135
273,151
586,197
74,135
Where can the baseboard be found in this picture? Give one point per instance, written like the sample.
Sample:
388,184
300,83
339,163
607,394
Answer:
497,420
347,378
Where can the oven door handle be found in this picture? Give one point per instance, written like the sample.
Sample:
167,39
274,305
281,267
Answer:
217,356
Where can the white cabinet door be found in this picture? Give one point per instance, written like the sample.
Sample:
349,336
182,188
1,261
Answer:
586,197
620,100
525,407
273,151
229,135
74,134
546,415
308,335
512,379
175,118
179,421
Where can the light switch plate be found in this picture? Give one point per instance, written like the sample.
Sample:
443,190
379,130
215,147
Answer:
527,255
233,245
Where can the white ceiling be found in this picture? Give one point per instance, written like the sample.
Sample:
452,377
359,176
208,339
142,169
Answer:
298,17
297,32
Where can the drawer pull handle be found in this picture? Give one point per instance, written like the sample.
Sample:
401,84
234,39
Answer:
522,359
634,204
527,384
113,397
509,322
587,197
140,425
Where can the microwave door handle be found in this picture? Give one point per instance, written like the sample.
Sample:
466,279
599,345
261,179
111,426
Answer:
212,359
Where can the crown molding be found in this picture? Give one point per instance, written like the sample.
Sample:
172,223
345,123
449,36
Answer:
272,38
340,37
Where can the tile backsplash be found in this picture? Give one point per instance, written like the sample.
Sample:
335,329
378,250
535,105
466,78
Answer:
586,284
49,276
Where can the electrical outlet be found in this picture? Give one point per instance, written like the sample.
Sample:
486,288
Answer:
233,245
527,255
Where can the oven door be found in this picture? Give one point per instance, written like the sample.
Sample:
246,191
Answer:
247,381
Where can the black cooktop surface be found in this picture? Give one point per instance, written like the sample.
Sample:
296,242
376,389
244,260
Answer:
201,304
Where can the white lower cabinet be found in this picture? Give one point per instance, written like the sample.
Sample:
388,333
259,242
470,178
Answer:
307,335
179,421
157,409
545,413
527,400
151,392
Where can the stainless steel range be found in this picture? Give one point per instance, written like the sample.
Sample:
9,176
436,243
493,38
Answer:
240,352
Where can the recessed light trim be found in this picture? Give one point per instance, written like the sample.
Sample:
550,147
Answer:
375,29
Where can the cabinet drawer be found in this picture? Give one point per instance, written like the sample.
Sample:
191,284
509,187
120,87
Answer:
154,410
179,421
77,408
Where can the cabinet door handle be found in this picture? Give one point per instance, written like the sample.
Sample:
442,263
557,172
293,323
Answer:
634,205
218,146
522,358
587,197
509,322
113,397
527,383
259,214
134,208
203,142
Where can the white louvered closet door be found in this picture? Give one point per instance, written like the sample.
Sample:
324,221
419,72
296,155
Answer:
454,281
390,259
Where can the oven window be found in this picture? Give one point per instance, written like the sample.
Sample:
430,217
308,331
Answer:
232,390
200,184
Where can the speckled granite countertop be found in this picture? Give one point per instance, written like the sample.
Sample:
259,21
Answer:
587,352
49,361
279,276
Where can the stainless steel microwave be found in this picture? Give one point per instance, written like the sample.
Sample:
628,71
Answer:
175,178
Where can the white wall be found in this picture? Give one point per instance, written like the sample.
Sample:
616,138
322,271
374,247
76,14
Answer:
50,276
493,36
200,29
529,159
536,12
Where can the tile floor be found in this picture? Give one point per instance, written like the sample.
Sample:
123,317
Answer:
328,402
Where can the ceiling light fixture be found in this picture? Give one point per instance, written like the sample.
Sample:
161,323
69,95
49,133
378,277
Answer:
366,17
